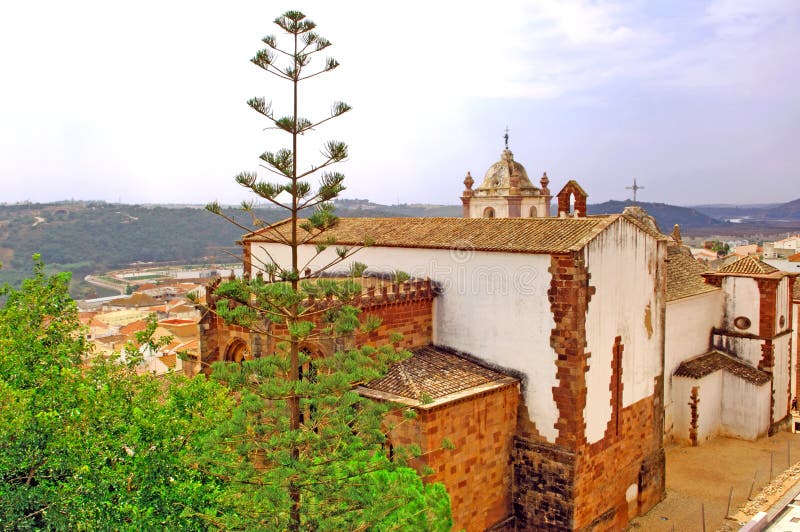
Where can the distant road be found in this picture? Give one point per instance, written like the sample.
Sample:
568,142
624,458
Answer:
105,284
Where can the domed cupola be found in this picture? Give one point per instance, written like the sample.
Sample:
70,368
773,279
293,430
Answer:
498,180
506,192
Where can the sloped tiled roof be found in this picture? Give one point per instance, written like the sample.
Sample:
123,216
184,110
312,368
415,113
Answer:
749,266
699,367
684,277
133,327
136,300
434,372
520,235
169,360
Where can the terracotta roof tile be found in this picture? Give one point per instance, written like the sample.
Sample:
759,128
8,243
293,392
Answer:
169,360
684,277
433,372
523,235
699,367
749,265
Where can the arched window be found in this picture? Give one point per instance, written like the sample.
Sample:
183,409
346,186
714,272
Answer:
488,212
237,351
533,213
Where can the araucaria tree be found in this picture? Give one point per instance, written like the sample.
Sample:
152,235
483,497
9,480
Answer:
302,450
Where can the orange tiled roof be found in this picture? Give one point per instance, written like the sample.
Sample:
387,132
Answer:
434,372
520,235
699,367
133,327
794,258
749,266
684,277
96,322
169,360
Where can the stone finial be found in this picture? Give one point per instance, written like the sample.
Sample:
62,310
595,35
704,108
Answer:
544,181
468,181
676,234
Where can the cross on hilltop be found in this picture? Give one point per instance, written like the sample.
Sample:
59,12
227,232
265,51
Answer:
635,188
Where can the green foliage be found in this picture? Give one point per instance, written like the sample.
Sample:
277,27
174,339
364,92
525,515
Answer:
93,446
722,248
399,276
302,450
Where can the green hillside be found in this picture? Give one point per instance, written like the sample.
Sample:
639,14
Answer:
90,237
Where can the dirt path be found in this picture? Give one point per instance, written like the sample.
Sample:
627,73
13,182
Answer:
704,476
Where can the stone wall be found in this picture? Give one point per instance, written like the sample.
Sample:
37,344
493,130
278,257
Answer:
477,472
621,476
405,308
544,479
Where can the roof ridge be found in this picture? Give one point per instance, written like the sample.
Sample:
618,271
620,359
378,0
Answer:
408,381
747,264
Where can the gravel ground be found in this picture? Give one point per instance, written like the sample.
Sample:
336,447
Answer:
701,477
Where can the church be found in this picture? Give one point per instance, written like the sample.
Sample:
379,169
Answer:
558,353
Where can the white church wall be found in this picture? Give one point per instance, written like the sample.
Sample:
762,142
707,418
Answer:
782,302
493,306
781,376
745,408
795,347
748,349
709,408
623,263
741,299
681,415
688,333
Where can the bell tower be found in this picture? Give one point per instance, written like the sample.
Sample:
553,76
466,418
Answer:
506,191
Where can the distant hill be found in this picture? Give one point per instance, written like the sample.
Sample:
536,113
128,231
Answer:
789,211
666,215
786,211
91,237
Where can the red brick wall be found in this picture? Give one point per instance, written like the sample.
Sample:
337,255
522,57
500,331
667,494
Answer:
411,316
477,473
606,469
412,319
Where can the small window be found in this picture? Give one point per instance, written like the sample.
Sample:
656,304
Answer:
742,322
533,213
488,212
782,322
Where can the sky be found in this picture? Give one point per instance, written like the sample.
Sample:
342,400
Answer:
144,102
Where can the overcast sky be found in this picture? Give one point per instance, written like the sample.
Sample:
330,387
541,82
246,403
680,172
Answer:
144,102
